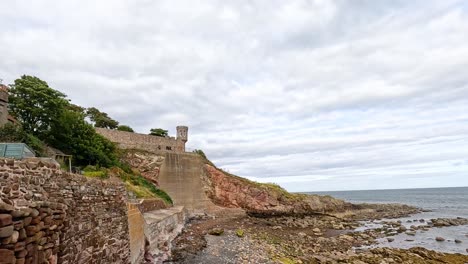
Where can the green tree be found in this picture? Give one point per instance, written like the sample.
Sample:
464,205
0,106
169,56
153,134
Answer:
35,104
159,132
200,152
73,135
101,119
125,128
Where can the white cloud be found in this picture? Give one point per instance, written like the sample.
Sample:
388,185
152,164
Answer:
314,95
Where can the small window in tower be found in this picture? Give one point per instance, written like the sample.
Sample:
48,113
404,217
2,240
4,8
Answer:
168,148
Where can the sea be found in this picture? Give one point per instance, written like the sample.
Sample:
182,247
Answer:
442,203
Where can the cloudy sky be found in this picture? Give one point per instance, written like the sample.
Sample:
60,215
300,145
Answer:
312,95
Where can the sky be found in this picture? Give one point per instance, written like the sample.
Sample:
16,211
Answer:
312,95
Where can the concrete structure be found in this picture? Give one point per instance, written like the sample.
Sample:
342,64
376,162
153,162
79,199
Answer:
130,140
181,176
152,232
161,227
3,104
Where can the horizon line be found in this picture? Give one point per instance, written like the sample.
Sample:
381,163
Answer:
357,190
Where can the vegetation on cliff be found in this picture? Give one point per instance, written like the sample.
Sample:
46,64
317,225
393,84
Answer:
47,118
48,115
159,132
135,183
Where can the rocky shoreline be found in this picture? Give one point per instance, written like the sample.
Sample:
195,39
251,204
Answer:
235,237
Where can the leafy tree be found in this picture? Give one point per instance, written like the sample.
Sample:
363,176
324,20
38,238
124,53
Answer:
11,133
47,115
35,104
125,128
73,135
159,132
101,119
200,152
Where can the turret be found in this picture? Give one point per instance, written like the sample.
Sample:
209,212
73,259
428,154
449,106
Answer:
182,133
3,104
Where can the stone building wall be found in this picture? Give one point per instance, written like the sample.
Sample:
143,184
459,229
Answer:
3,104
51,216
130,140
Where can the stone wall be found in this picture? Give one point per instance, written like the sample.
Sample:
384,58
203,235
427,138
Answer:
51,216
130,140
3,104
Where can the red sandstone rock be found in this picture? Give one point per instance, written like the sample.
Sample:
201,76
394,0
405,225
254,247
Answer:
5,219
147,164
231,191
7,256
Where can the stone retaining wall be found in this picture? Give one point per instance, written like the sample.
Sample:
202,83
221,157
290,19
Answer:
161,227
130,140
50,216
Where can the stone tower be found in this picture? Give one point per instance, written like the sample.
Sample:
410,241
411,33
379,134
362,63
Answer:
182,136
3,104
182,133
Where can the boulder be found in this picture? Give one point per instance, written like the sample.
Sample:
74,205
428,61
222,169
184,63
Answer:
216,231
440,239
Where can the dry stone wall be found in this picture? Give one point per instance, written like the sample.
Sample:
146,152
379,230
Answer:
51,216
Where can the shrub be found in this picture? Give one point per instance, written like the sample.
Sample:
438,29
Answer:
96,174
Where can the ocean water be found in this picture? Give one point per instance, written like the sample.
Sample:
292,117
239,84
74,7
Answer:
443,202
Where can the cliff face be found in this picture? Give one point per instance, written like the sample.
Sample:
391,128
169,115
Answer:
188,178
265,199
146,163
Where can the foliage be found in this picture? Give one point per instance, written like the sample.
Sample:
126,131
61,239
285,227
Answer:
96,174
240,233
200,152
15,133
125,128
101,119
73,135
36,144
35,104
138,184
159,132
11,133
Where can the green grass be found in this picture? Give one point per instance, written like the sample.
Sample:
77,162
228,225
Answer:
96,174
134,182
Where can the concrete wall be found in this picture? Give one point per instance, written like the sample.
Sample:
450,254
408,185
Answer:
53,216
181,177
152,232
161,228
136,228
129,140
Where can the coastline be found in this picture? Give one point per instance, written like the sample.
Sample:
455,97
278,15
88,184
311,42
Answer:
309,239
